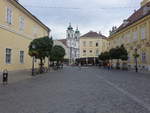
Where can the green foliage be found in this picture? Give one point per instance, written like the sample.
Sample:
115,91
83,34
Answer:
104,56
136,55
119,53
57,53
112,53
124,53
41,47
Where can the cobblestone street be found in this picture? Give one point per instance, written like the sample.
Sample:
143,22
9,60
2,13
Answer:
89,90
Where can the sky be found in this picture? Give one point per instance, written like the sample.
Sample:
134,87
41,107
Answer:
95,15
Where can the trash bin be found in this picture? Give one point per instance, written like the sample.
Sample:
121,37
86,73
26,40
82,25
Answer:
5,76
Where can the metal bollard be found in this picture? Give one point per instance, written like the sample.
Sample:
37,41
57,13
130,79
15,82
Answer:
5,77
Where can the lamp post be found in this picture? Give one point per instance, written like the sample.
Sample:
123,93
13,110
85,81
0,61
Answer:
136,55
33,59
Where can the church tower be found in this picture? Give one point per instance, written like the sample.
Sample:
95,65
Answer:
70,32
77,34
72,38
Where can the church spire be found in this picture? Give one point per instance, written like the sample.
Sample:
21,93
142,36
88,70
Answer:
70,27
77,30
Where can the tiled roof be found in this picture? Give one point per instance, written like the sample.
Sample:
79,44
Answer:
93,34
64,41
137,15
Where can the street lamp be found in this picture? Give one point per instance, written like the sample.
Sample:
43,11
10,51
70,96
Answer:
33,59
136,55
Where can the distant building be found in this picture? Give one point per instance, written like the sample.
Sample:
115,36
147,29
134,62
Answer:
92,44
72,38
134,34
63,43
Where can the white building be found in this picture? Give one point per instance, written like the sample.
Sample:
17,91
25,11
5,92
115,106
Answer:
72,38
62,42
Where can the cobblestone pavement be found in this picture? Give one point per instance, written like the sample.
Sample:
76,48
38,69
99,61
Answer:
89,90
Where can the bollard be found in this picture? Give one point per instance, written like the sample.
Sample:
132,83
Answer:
5,77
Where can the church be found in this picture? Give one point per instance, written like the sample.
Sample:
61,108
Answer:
72,38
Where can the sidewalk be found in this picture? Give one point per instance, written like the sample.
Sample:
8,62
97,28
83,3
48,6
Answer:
15,76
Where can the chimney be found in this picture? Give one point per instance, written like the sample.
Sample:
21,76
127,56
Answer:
125,22
146,9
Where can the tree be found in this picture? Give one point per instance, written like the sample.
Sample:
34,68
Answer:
124,53
119,53
104,57
41,48
57,53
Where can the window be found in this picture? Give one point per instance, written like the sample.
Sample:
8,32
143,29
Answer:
90,43
97,52
143,33
9,15
84,43
35,31
96,44
143,57
68,35
84,52
135,35
91,51
21,57
8,56
21,23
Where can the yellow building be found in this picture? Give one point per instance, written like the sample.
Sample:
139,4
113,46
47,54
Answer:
18,27
92,44
134,34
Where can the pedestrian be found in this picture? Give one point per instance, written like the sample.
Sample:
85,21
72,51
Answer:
79,65
108,66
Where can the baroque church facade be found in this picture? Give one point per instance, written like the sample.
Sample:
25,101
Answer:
72,38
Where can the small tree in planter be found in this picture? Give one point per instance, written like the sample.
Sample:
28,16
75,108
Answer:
104,57
124,57
41,50
117,54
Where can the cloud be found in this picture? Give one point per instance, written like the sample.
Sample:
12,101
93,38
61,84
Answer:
96,15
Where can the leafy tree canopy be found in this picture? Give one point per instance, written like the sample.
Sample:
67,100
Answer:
41,47
57,53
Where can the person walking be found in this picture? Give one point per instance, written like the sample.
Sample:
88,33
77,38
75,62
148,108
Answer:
79,65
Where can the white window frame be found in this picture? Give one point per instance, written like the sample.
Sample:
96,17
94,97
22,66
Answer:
143,33
97,52
84,43
135,35
9,15
91,43
143,57
21,57
8,55
21,23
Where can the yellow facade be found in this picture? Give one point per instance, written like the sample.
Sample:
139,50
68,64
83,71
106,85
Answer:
17,34
92,46
135,36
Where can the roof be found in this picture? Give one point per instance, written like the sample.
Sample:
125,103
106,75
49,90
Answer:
137,15
30,14
64,41
93,34
70,27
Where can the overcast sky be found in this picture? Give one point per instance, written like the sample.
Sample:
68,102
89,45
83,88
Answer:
95,15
